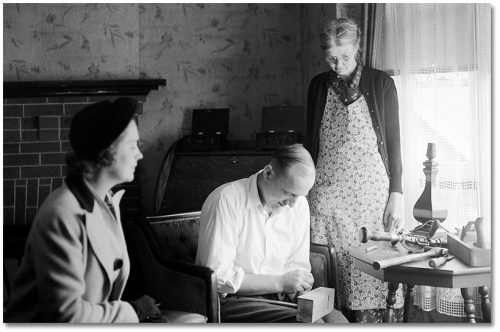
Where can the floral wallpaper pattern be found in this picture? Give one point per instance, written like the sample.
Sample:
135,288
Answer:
312,56
70,41
238,55
241,56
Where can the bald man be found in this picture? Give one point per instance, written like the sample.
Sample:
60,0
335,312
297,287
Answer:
254,233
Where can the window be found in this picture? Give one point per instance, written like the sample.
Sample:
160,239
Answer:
443,102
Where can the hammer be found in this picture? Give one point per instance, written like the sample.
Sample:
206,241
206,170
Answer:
429,252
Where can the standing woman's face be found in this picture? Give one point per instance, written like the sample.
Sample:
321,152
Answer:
126,155
342,59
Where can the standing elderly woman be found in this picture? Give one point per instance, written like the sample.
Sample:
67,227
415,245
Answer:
353,136
75,264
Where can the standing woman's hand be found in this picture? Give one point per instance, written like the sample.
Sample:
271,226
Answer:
393,213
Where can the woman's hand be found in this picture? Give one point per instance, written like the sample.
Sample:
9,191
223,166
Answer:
146,308
393,213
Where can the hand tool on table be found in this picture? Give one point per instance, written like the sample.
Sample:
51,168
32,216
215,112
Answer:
371,248
429,252
412,241
440,261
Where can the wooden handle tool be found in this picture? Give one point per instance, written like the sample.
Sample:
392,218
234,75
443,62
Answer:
365,235
431,252
440,261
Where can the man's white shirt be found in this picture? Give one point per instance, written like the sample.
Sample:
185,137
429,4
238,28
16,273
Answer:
237,236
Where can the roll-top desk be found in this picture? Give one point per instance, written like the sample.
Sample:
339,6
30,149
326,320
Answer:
187,178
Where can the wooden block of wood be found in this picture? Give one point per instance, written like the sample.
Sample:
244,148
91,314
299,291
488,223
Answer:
468,253
315,304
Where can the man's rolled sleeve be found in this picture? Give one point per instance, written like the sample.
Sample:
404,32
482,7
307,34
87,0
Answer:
229,280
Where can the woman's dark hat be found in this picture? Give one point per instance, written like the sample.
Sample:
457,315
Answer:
96,126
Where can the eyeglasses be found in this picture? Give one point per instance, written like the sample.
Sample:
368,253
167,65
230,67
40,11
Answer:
335,60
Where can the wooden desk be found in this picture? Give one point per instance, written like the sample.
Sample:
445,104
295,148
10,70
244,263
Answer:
187,178
454,274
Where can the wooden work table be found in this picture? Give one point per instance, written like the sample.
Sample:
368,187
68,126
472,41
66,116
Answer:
453,274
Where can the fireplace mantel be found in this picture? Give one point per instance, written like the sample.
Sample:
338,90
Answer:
37,89
36,125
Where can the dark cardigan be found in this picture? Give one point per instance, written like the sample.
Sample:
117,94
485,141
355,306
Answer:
381,96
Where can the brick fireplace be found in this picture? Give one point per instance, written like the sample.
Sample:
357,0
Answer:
36,121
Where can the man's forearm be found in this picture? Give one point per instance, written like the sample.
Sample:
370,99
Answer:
254,284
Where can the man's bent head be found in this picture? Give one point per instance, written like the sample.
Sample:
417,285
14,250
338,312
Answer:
290,174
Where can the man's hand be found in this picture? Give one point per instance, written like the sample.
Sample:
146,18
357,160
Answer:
297,281
393,213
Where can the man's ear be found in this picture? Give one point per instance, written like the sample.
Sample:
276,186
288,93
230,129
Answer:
268,172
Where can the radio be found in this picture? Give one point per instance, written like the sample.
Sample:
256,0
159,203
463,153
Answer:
204,142
281,126
208,131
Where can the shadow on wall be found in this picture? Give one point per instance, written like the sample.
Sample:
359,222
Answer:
160,126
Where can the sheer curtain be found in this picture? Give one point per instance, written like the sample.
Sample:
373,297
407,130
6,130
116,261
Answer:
440,57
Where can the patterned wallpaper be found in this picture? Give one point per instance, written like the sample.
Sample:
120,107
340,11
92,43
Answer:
70,41
235,55
241,56
312,58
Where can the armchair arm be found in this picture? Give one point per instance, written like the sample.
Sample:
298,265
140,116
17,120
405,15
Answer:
323,261
176,285
209,279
